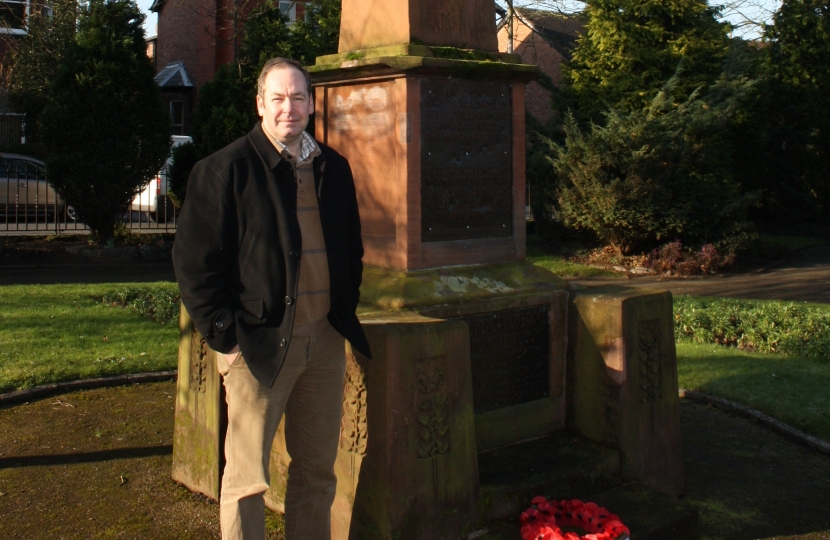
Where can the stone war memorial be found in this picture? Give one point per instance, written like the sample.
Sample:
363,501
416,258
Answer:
491,381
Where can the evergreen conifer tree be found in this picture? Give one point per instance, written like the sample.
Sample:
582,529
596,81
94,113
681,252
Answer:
631,48
105,129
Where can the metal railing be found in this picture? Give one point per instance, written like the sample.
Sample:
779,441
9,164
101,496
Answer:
29,205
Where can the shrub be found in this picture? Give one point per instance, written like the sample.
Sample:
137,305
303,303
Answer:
185,157
766,327
671,258
157,302
659,174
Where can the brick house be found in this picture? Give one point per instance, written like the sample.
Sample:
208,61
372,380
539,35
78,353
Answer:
543,38
194,38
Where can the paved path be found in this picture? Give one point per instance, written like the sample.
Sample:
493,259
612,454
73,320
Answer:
804,276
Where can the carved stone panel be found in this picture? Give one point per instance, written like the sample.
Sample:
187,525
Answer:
198,361
433,407
650,371
466,160
510,355
353,427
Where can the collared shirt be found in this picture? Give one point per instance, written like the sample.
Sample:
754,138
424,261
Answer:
308,150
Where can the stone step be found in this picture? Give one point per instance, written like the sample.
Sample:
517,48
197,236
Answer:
561,465
566,466
648,514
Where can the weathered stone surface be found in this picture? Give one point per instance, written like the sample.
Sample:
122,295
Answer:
561,465
462,23
416,208
501,292
622,381
419,478
201,417
509,425
450,291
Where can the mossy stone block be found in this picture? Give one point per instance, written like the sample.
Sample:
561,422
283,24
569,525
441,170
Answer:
622,381
201,417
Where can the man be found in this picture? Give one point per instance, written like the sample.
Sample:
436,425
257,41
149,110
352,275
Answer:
268,259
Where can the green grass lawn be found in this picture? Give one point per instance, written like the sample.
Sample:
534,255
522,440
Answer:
791,386
563,267
538,254
792,389
64,332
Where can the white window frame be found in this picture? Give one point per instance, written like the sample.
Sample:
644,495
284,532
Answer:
27,10
290,11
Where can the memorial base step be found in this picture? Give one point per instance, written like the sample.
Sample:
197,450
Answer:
648,514
561,465
566,466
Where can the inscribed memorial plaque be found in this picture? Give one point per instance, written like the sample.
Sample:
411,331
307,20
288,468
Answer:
466,160
510,356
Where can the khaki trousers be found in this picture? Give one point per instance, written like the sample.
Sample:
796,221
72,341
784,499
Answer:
309,390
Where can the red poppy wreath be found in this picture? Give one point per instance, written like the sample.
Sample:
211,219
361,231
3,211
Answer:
542,521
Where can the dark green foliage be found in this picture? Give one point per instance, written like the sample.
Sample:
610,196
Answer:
104,127
654,175
631,48
767,327
542,183
266,35
318,34
184,158
157,302
796,104
226,109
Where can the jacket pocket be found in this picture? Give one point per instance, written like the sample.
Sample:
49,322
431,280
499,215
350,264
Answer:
254,306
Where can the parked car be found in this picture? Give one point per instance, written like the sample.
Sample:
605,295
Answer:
153,196
25,193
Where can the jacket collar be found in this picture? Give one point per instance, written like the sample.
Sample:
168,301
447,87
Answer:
264,147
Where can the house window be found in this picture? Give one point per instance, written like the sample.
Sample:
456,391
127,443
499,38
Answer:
177,117
13,16
289,9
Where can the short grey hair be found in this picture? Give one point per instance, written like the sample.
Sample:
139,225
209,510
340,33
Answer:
280,63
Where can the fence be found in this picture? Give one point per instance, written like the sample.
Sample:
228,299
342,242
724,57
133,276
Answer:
29,204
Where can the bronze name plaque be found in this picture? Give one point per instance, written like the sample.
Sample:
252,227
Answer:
466,160
510,356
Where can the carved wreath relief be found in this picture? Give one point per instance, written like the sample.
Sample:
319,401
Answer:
353,427
198,360
650,372
432,407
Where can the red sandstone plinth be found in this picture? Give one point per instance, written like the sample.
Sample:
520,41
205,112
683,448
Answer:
467,24
437,148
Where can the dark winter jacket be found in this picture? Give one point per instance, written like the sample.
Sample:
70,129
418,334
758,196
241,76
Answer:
238,245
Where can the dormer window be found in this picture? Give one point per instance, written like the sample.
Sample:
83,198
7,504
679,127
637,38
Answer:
13,15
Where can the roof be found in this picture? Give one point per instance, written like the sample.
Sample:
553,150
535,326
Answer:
560,31
173,76
156,6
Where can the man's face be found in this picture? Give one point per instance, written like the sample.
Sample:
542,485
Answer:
286,105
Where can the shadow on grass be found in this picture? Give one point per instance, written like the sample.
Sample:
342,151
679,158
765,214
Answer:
85,457
793,390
